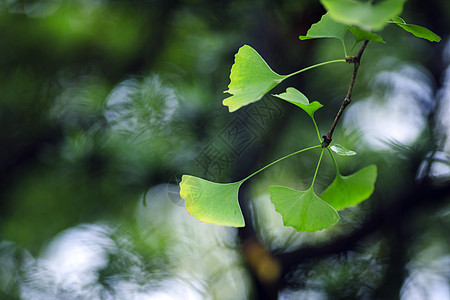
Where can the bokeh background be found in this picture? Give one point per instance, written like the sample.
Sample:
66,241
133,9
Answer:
104,104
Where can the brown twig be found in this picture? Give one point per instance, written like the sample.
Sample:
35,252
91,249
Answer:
348,98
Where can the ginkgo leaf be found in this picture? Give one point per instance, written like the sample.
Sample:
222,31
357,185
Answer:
418,31
326,28
363,35
210,202
296,97
302,210
250,79
341,150
351,190
365,15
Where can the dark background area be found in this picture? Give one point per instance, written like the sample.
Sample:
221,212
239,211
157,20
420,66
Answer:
105,104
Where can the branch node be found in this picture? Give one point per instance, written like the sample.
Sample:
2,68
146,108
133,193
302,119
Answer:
346,102
352,59
326,141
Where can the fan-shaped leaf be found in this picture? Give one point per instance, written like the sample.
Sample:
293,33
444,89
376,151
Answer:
326,28
302,210
210,202
250,79
419,31
351,190
296,97
341,150
363,14
363,35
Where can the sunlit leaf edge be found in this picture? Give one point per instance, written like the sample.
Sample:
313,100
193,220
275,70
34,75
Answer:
294,96
321,29
417,30
212,206
250,79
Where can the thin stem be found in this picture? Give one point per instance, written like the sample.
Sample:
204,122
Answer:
334,160
315,66
345,49
280,159
317,168
317,130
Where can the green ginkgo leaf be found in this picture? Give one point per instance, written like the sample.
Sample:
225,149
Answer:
351,190
296,97
326,28
302,210
365,15
418,31
363,35
341,150
250,79
210,202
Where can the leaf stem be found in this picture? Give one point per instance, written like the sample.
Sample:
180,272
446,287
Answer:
345,49
334,160
280,159
314,66
317,129
317,168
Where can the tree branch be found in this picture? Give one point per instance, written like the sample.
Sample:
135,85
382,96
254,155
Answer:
348,98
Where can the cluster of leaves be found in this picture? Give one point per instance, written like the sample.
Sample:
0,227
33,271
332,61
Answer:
251,78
